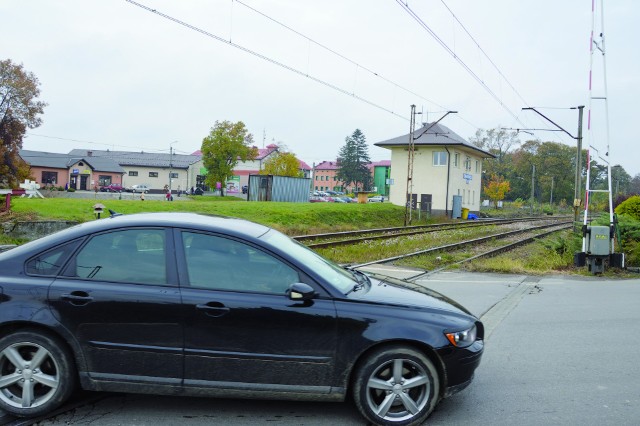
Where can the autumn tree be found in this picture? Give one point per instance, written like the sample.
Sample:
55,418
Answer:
226,145
19,110
496,189
282,164
353,162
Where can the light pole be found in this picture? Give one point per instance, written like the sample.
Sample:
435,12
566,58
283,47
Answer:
171,165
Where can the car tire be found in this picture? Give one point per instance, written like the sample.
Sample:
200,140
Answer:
396,385
46,385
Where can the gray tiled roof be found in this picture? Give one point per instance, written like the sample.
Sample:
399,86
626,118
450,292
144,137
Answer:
437,135
145,159
64,161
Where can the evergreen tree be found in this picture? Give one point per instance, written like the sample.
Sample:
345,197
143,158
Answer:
353,162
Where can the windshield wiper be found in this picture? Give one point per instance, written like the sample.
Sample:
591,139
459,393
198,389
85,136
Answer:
361,278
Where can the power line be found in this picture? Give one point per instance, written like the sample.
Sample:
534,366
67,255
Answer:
444,45
339,54
137,150
266,58
485,53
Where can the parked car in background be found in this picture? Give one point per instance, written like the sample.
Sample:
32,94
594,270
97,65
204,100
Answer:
190,304
141,187
376,199
317,199
114,187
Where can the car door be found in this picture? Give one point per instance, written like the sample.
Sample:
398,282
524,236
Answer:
242,330
119,296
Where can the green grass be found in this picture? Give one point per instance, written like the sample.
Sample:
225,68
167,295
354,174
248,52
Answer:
292,218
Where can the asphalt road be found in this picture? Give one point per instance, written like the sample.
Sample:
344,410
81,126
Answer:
560,350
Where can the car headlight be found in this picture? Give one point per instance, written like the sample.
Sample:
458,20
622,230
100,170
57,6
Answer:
462,339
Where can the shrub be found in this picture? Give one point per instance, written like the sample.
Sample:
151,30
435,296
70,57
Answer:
630,207
71,190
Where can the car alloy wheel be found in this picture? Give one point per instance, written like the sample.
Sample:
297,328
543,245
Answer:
396,386
35,374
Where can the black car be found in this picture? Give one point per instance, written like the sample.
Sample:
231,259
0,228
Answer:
187,304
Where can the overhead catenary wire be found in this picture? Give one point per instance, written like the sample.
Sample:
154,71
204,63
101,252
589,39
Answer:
266,58
305,74
464,65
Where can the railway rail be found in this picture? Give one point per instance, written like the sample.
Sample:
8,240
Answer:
395,232
476,241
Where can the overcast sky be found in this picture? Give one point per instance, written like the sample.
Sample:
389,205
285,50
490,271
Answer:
121,77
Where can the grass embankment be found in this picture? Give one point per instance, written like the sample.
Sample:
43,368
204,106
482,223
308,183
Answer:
291,218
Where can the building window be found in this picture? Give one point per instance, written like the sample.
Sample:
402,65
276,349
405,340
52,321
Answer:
335,178
173,175
132,173
477,166
153,174
316,179
104,180
49,178
456,160
467,164
439,158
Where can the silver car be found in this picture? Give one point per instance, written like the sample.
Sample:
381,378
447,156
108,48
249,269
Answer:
141,187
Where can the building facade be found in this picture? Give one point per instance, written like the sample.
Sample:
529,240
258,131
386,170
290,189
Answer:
444,165
71,171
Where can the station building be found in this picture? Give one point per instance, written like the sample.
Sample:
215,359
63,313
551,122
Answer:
444,165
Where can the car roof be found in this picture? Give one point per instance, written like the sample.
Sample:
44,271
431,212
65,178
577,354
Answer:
227,225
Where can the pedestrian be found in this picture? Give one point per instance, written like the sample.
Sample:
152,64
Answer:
168,195
66,186
179,191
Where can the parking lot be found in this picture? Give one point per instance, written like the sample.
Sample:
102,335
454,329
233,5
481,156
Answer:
560,350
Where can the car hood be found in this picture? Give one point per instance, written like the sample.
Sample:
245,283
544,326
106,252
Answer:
392,291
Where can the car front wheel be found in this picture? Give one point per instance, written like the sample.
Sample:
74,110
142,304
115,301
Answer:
36,374
396,386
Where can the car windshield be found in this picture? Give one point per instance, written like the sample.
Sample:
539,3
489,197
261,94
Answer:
339,277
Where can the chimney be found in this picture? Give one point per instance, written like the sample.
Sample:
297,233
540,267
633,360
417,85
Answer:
89,153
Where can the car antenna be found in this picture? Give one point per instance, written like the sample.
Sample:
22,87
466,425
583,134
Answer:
114,213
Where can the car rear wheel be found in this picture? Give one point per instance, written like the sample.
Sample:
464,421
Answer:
396,386
36,374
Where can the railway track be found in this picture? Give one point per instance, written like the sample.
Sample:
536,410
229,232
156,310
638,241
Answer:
475,242
336,239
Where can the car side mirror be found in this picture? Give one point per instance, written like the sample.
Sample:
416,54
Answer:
300,292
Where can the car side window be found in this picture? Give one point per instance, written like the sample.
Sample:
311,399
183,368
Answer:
50,262
131,256
220,263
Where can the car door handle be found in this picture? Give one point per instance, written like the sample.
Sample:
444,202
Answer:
77,298
213,309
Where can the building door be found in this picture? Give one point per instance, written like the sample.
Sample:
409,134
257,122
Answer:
83,182
74,182
425,203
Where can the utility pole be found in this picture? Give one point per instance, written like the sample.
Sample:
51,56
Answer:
170,165
551,197
533,179
412,139
410,152
577,201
